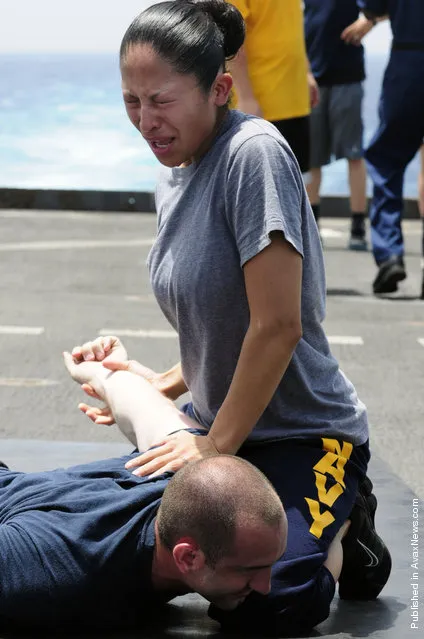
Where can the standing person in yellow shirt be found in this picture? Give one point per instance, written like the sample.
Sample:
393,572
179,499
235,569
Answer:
271,71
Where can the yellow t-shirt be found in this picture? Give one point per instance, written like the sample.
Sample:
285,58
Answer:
276,55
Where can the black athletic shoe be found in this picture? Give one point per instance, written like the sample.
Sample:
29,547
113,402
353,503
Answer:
389,274
366,559
358,240
357,243
3,465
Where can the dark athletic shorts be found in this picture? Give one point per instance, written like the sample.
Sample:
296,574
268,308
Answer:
317,481
298,134
336,124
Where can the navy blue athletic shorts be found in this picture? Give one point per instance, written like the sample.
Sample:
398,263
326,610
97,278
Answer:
317,481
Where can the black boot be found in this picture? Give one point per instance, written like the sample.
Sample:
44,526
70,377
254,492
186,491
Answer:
390,272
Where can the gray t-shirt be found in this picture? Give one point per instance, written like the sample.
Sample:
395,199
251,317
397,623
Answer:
213,216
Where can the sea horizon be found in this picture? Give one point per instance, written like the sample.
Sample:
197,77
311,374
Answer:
63,126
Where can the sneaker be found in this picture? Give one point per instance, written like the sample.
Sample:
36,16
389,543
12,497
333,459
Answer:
357,240
357,243
390,272
366,559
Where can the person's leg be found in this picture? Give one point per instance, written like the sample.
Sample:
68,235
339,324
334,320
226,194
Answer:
334,561
358,203
313,189
314,186
345,114
393,146
318,484
320,150
357,183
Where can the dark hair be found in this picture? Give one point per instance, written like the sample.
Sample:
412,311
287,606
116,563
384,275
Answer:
207,500
195,36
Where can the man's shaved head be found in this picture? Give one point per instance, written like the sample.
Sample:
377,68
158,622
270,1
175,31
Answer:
209,499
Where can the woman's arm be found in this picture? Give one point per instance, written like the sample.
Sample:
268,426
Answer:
273,284
171,383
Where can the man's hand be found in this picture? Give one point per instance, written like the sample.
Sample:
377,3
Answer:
313,90
87,373
355,32
102,349
172,453
112,355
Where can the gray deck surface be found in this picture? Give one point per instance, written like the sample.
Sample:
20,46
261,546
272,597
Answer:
388,617
52,279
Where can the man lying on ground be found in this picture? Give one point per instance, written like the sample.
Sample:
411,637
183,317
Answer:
95,546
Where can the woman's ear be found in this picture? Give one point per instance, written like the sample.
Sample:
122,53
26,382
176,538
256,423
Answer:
222,89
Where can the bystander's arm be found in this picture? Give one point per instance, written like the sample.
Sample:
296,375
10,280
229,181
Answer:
355,32
374,8
239,70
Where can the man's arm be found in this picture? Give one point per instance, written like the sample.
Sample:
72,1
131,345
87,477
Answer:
356,32
239,69
373,8
143,414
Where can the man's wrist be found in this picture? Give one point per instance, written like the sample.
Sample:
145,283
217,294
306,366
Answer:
371,17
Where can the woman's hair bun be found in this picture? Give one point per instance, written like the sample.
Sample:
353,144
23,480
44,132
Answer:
228,19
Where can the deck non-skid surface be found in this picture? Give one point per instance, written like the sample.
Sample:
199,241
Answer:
389,617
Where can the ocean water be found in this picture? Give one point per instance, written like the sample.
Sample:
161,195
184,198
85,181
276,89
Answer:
63,126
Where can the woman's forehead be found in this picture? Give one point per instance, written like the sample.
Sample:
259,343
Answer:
142,65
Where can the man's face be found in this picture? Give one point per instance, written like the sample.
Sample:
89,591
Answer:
248,569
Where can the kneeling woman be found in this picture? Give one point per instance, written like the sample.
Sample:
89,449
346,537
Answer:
237,269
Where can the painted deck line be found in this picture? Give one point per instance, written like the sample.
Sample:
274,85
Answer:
21,330
140,298
345,340
40,215
348,340
328,234
149,334
26,382
61,245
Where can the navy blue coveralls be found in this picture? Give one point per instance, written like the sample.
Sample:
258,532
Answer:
401,129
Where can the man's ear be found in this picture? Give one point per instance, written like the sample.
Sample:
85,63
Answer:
222,89
188,557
